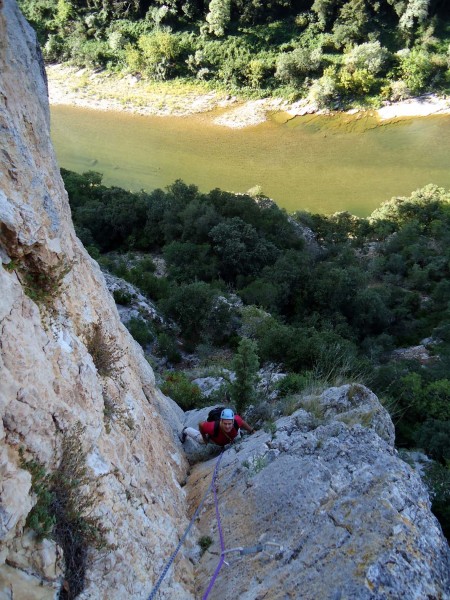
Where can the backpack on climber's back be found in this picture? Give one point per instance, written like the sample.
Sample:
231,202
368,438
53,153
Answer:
214,416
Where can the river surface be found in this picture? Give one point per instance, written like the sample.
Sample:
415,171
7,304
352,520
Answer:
317,163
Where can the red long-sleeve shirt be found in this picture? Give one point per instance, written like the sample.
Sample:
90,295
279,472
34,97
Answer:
222,439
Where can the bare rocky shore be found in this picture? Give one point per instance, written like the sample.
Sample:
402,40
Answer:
104,91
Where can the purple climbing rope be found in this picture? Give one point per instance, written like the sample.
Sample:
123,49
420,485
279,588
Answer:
191,522
222,543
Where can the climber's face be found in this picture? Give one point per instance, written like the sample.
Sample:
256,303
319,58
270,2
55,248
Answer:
227,425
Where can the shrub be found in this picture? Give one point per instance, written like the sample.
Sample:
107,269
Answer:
122,297
54,48
186,394
434,437
141,330
416,69
159,51
370,56
397,90
133,58
42,283
204,542
254,321
294,66
113,412
323,90
103,350
167,346
257,71
156,288
358,81
64,508
41,518
90,53
292,384
257,464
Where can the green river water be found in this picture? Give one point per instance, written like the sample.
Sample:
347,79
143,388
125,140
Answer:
316,163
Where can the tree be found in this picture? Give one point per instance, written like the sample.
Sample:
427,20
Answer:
159,52
262,293
82,188
288,277
189,306
324,9
218,16
294,66
275,340
370,56
351,23
415,11
153,230
434,438
416,69
187,261
336,286
435,402
245,366
241,249
125,213
197,219
370,314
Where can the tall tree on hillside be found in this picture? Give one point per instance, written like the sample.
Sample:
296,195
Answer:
245,366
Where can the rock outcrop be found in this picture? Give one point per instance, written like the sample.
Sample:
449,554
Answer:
66,358
325,483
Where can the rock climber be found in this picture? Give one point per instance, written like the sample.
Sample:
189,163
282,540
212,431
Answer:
220,432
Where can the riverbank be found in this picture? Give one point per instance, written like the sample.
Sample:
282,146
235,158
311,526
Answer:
105,91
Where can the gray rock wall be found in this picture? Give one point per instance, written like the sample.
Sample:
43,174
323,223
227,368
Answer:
353,519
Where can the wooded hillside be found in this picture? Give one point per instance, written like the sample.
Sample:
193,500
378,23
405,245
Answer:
242,286
334,51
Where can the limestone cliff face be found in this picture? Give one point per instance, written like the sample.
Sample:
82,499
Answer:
54,312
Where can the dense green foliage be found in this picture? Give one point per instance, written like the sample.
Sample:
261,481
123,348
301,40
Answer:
178,386
329,49
240,277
